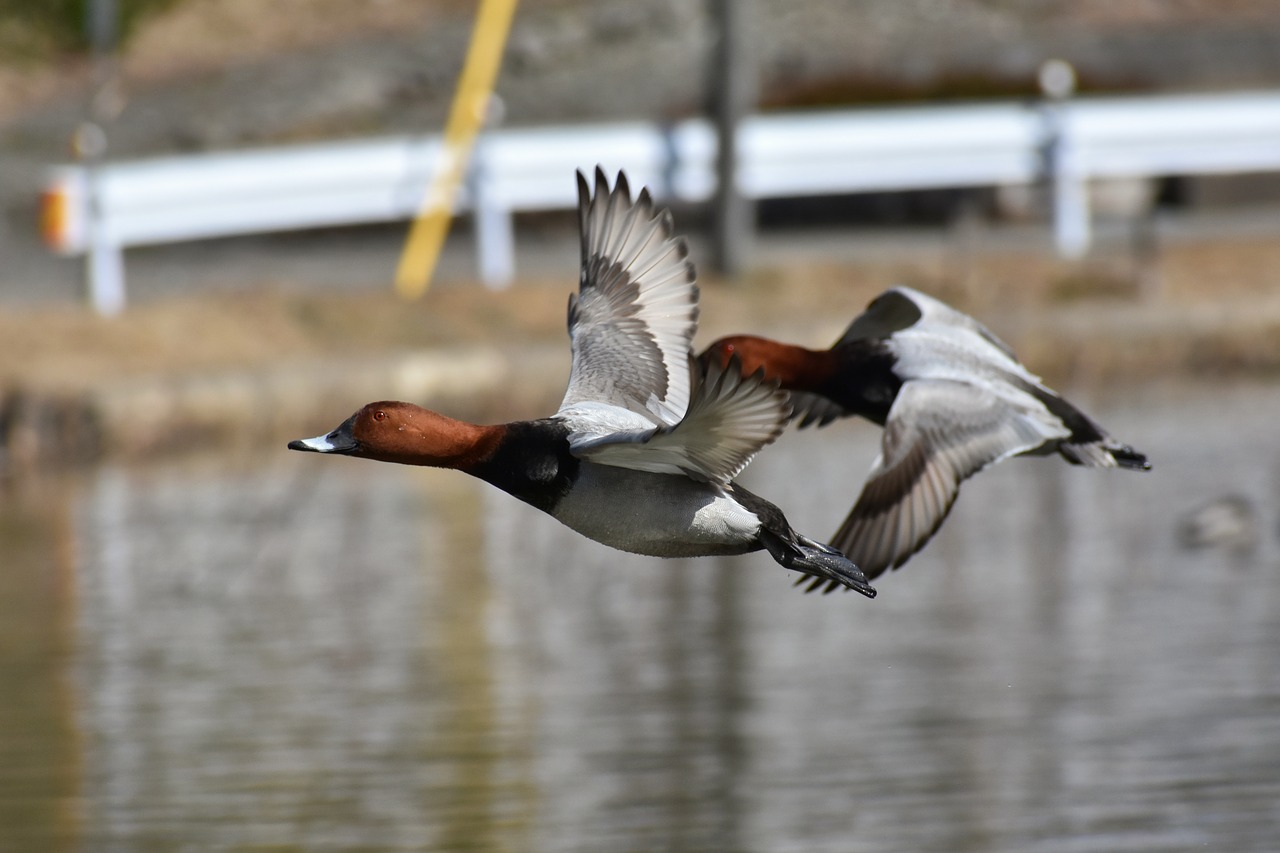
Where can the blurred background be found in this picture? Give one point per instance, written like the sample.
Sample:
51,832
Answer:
209,643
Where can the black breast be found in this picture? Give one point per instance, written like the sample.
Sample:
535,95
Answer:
533,463
866,384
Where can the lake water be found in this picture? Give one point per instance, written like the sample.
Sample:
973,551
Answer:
289,652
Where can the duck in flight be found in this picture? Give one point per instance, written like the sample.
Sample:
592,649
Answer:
952,399
642,453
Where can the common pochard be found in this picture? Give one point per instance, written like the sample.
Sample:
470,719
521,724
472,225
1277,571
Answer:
952,399
642,453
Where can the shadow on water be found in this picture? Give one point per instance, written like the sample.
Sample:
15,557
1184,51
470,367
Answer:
289,652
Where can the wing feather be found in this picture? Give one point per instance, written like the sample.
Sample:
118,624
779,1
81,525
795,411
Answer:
938,434
730,418
632,322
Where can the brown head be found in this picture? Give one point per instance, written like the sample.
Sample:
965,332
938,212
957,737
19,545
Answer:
751,351
796,368
406,434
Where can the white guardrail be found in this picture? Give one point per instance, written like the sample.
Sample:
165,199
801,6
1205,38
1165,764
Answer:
101,210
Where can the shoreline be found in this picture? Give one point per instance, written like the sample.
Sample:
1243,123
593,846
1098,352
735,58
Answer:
181,373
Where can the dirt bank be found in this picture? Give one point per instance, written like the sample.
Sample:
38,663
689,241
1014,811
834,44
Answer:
259,367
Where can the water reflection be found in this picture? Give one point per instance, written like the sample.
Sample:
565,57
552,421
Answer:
332,654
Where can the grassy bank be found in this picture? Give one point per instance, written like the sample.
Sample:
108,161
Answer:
260,366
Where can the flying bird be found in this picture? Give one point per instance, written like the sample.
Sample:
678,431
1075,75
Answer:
952,398
642,452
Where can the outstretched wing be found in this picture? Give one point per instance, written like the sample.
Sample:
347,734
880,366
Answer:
730,418
632,322
938,434
901,308
891,311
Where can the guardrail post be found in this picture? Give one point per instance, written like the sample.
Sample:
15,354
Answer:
494,226
1071,229
104,259
1067,179
104,267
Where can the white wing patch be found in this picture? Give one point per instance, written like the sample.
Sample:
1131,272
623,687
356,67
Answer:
729,420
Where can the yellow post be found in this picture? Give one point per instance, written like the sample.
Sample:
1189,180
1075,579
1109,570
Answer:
484,56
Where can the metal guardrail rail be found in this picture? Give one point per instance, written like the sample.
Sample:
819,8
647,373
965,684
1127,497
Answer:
99,211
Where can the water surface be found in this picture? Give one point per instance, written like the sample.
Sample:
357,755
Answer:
291,652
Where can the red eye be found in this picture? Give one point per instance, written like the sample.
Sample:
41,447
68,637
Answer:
379,415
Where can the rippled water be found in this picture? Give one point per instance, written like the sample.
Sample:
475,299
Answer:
290,652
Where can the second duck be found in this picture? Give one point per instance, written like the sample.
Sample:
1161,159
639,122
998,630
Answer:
952,399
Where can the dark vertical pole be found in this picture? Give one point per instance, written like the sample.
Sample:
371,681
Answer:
100,24
733,93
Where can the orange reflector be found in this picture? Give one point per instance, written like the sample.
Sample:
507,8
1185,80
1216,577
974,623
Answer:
53,217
